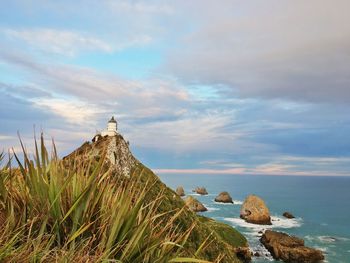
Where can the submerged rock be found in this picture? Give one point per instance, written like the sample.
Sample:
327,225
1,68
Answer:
255,211
200,190
180,191
289,248
224,197
194,205
288,215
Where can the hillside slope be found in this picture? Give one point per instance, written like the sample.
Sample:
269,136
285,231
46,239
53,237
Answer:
223,242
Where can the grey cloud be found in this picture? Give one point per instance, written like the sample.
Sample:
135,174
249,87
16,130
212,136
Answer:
298,50
24,91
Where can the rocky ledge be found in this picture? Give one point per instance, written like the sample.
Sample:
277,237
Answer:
289,248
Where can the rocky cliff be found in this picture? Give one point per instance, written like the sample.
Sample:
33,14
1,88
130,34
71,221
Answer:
224,243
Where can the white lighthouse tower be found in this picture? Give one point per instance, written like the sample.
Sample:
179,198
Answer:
111,128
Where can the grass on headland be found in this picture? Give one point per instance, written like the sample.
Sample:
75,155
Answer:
54,212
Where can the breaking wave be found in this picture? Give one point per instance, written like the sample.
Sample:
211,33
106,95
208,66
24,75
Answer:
277,222
211,209
326,239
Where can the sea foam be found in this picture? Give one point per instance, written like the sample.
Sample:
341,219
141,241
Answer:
277,222
211,209
235,202
326,239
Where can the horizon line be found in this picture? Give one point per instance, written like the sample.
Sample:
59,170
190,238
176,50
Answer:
200,171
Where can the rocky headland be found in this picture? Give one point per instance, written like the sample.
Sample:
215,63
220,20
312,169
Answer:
225,242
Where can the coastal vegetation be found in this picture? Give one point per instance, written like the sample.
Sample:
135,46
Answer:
78,209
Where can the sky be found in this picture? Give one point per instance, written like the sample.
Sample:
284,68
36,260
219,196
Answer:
213,87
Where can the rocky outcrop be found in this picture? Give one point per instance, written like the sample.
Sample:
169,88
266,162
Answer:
180,191
255,211
289,248
224,197
200,190
288,215
194,205
116,150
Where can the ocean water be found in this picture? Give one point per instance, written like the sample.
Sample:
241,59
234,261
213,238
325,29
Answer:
321,206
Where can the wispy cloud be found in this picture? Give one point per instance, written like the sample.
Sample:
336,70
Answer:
72,110
71,43
141,7
58,41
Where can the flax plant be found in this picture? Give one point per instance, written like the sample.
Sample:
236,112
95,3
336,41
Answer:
56,211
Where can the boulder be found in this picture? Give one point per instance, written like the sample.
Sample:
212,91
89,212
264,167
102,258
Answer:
224,197
194,205
200,190
243,253
180,191
254,211
288,215
289,248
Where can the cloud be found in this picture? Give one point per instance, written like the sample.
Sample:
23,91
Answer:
296,168
5,137
61,42
141,7
190,132
300,51
71,43
72,110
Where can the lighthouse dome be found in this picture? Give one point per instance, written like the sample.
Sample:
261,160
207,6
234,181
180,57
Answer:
112,120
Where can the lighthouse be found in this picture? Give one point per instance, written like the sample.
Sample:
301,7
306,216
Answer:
110,131
111,128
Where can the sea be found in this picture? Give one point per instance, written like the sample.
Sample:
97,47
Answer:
321,205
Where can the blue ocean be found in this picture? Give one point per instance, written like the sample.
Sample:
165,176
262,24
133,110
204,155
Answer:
321,206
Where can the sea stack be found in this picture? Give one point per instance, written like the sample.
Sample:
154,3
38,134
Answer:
180,191
201,190
194,205
224,197
255,211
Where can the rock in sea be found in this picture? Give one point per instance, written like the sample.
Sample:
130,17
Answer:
180,191
288,215
200,190
224,197
289,248
255,211
194,205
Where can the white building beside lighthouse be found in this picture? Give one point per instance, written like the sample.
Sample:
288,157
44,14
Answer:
111,128
110,131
